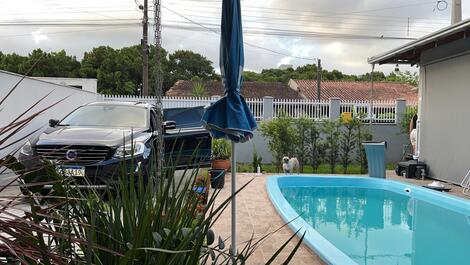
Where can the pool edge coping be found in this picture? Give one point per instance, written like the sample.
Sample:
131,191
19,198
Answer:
320,245
312,239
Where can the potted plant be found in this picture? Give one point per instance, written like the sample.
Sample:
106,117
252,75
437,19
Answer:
221,152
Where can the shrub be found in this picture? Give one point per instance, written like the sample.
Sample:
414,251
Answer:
361,134
315,147
347,142
199,90
332,134
281,137
406,119
302,141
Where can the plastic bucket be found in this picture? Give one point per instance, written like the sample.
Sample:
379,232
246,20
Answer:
375,152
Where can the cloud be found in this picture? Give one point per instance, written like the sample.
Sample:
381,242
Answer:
38,36
348,56
335,48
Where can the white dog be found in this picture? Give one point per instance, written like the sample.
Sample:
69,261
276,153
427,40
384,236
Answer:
288,165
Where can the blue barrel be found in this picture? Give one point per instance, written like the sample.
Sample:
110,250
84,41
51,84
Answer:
375,152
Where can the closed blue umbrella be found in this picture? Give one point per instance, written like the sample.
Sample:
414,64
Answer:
230,116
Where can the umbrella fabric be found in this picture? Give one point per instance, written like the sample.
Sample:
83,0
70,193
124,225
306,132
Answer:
230,116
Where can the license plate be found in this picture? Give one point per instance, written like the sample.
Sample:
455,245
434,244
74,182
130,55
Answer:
71,171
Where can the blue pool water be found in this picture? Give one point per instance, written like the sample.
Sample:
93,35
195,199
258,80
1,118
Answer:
377,222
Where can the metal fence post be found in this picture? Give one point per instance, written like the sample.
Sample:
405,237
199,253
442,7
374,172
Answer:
400,109
335,109
268,108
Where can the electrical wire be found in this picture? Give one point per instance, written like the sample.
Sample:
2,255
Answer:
85,22
297,11
66,32
246,43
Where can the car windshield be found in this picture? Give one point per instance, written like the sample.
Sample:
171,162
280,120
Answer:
107,116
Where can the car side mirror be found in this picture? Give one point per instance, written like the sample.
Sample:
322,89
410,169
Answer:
169,125
53,123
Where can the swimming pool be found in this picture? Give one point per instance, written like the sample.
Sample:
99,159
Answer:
367,221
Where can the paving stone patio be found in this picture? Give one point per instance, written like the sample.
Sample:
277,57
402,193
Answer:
256,214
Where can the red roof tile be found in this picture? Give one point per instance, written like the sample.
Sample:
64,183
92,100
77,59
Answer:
356,90
183,88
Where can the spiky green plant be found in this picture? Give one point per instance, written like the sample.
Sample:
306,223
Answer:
141,220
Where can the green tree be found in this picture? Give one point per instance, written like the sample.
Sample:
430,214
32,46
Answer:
361,134
183,65
315,146
302,141
251,76
119,71
13,63
403,77
332,134
281,137
347,142
52,64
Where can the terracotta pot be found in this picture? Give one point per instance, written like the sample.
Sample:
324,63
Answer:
221,164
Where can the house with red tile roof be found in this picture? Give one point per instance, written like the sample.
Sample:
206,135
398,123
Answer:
184,88
354,90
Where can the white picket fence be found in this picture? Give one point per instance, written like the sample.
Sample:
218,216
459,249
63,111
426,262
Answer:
297,108
381,112
255,104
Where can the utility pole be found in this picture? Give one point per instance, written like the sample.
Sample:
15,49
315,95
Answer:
145,50
371,102
408,29
319,72
158,86
456,11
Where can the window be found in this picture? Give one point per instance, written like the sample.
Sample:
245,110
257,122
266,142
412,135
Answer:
108,116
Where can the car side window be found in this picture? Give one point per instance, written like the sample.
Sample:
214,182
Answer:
153,120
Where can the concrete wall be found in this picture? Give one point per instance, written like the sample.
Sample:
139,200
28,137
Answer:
27,94
87,84
444,140
396,143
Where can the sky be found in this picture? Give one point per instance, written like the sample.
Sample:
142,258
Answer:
342,33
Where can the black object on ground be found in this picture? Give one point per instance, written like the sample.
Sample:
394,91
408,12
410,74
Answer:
411,169
217,178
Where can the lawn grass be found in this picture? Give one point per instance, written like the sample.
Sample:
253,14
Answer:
322,169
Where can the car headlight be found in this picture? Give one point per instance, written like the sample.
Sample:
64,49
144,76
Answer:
27,149
129,150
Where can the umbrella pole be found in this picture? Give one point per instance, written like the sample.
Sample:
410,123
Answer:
233,249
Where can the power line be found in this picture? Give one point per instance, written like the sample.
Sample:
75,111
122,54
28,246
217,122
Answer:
214,28
275,10
65,32
246,43
297,11
334,24
114,22
312,19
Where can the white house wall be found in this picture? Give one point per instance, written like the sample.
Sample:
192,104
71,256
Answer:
28,93
445,118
